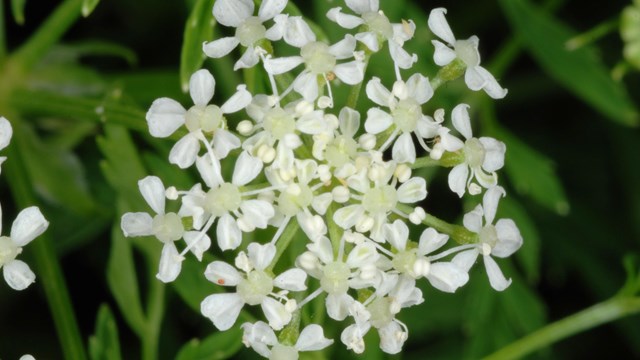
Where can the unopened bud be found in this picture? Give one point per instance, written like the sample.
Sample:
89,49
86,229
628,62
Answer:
367,141
245,127
402,172
474,189
171,193
324,102
340,194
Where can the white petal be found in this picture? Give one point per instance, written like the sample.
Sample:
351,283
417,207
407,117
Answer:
496,278
378,93
351,72
491,86
392,338
202,243
259,336
237,101
509,238
152,191
246,169
362,254
397,234
136,224
494,154
465,259
442,55
344,48
439,25
222,309
447,277
261,255
458,177
312,338
369,39
164,117
352,336
221,273
344,20
490,202
276,313
349,121
461,121
6,131
292,280
18,275
270,8
201,87
258,212
282,65
413,190
248,59
377,121
297,32
403,149
170,263
232,12
363,6
312,123
430,241
322,249
209,170
185,151
348,216
474,79
400,56
28,225
224,141
473,219
337,306
221,47
419,88
321,202
306,84
228,234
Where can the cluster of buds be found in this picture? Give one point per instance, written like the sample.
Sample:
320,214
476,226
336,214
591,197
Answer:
343,177
27,226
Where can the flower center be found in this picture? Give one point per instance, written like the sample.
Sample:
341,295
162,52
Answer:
404,262
282,352
406,114
488,236
8,250
317,57
255,287
167,227
467,52
380,313
380,200
226,198
294,199
336,278
250,31
474,152
279,123
202,118
379,24
341,150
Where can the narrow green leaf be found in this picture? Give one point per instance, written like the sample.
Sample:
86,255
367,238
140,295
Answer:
220,345
580,71
198,29
532,174
104,344
17,8
88,6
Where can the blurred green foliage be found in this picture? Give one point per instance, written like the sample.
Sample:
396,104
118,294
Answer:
572,173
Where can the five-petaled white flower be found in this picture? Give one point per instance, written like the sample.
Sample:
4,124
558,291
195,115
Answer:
261,338
28,225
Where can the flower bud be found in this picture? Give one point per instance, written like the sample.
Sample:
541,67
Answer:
340,194
245,127
367,141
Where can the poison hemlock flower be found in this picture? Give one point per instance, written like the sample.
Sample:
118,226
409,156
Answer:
261,338
28,225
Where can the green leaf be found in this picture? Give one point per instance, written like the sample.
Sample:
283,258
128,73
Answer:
17,8
580,71
198,29
529,254
88,6
532,174
221,345
104,344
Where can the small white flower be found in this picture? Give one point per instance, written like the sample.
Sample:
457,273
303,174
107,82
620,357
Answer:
476,77
481,154
501,239
28,225
261,338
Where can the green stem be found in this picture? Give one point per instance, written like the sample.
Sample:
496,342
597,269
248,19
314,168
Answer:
335,232
593,34
458,233
283,242
47,34
448,159
48,267
354,94
610,310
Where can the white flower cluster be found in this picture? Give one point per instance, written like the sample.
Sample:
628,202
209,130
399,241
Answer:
298,160
28,225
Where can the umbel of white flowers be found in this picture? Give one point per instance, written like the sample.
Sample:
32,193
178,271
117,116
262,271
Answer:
342,176
27,226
